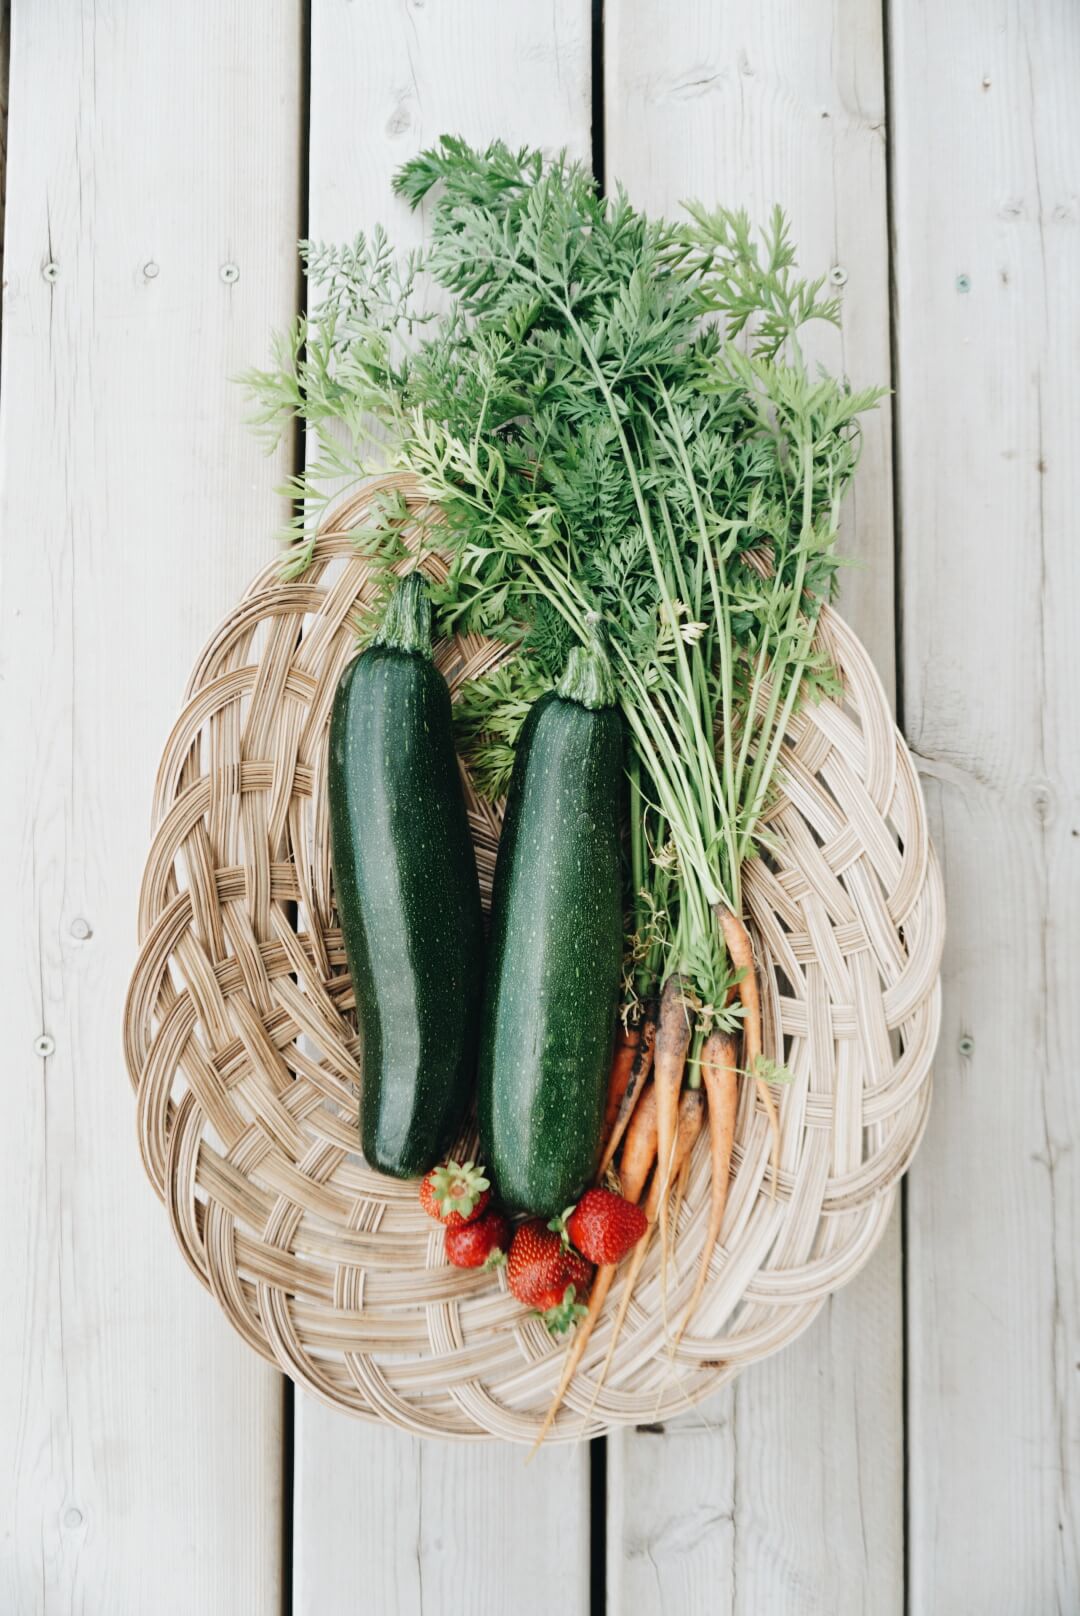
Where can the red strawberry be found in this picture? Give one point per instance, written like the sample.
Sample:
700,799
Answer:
455,1194
545,1275
604,1226
536,1263
560,1314
483,1243
579,1272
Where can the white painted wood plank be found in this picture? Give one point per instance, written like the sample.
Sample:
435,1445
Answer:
987,181
790,1498
671,1501
141,1439
411,1525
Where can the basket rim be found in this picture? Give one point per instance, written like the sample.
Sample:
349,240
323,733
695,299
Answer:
280,1220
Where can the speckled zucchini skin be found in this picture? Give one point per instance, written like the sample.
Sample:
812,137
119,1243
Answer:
409,903
554,957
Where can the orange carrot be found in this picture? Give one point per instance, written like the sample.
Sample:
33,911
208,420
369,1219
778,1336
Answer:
690,1122
622,1064
719,1074
639,1154
741,951
669,1062
639,1073
639,1149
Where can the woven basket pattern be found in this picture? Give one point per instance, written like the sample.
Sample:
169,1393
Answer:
241,1044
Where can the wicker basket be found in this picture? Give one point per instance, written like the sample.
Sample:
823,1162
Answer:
241,1045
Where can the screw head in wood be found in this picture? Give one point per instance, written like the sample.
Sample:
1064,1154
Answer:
151,271
51,271
838,275
230,274
80,929
966,1045
44,1046
963,283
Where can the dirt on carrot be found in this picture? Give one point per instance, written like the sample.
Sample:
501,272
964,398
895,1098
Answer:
669,1062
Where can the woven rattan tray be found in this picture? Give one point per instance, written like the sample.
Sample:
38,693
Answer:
241,1045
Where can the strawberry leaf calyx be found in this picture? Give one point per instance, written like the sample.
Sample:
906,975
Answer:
559,1319
457,1187
557,1225
495,1259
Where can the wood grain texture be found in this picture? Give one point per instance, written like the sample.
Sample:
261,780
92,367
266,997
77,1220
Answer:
672,1504
491,68
416,1526
426,1520
796,1484
149,147
987,223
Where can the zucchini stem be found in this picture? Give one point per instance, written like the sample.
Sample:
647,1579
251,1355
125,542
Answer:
406,624
587,678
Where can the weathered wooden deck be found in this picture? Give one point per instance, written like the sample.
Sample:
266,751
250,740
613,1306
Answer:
919,1450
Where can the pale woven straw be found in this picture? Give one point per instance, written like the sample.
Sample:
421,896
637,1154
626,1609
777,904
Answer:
241,1044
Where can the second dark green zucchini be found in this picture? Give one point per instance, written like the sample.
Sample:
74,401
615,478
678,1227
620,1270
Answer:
555,950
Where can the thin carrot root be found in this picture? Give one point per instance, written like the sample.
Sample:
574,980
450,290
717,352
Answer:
669,1063
601,1285
633,1269
627,1041
680,1193
741,950
638,1077
691,1119
719,1074
765,1095
639,1154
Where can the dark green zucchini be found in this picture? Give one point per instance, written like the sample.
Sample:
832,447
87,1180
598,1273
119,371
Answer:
407,890
555,951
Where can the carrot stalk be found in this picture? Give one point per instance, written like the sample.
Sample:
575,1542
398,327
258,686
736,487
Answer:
669,1062
622,1064
638,1075
719,1074
741,952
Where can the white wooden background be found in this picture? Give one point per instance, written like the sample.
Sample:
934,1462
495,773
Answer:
919,1449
